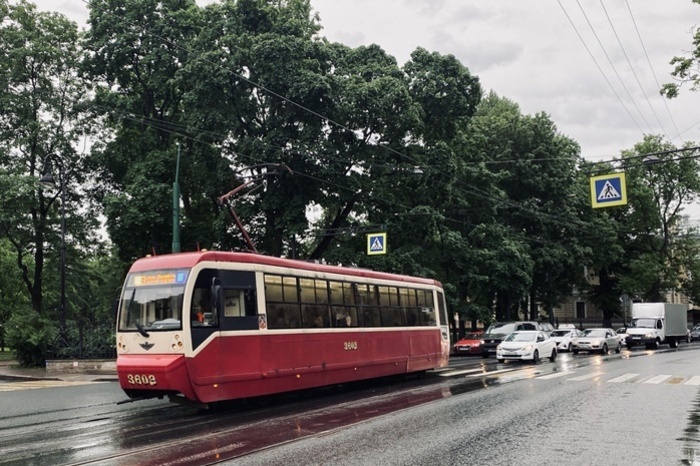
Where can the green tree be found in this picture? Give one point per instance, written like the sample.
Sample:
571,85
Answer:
658,190
41,99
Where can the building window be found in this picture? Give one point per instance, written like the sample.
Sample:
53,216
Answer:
580,310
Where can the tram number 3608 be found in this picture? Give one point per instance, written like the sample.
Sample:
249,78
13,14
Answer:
349,345
141,379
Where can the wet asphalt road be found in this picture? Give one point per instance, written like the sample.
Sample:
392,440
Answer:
581,409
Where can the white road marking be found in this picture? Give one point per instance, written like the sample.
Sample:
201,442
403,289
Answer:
587,376
492,373
36,384
555,375
695,380
623,378
658,379
461,372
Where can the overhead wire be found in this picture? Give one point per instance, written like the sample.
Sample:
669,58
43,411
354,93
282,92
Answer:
651,67
634,73
590,53
612,65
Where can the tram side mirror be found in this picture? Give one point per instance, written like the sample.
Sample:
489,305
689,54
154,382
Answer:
217,298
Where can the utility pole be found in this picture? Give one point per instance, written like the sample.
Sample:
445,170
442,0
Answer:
176,204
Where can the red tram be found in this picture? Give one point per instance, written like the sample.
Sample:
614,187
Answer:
210,326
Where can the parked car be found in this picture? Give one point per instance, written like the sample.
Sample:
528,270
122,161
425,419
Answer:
563,336
470,344
622,333
695,333
496,332
528,345
597,339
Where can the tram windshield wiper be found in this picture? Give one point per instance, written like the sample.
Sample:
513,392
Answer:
141,330
139,327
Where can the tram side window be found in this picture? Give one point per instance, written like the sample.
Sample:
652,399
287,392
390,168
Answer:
343,309
367,305
202,313
281,302
442,307
427,308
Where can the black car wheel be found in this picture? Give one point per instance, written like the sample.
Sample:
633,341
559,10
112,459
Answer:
536,357
553,356
605,348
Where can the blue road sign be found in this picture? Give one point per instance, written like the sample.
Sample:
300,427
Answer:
608,190
376,244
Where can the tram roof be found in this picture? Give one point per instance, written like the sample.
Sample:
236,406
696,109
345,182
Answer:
190,259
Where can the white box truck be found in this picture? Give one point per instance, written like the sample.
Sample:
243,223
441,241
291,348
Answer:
655,324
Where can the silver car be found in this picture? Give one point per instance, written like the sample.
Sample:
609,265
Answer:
563,337
597,339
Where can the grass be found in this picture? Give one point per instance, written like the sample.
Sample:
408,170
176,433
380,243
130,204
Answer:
6,355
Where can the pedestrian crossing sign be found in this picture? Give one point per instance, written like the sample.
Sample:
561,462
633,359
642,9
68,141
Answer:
608,190
376,244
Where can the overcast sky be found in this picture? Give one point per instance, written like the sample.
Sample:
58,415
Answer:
546,55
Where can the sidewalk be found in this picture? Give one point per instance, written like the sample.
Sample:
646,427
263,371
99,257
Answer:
10,371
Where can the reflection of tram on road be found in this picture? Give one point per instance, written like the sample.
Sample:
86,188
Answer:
210,326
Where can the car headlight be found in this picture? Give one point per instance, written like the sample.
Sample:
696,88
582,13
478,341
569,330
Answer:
527,347
649,335
595,343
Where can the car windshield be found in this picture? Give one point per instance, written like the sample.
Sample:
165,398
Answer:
500,329
595,332
621,330
472,336
560,333
521,336
644,323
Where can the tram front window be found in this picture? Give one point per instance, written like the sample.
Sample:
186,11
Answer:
157,308
152,307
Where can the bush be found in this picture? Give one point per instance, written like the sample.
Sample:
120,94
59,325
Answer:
30,335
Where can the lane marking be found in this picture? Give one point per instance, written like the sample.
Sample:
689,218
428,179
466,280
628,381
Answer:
694,380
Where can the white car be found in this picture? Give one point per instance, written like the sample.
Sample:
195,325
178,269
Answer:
597,339
563,337
622,333
528,345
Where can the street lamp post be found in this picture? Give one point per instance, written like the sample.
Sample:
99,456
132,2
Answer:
47,181
176,205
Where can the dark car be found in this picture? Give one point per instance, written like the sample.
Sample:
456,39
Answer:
695,333
496,332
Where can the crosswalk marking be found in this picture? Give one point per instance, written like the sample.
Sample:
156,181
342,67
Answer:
658,379
587,376
37,384
623,378
556,375
512,374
